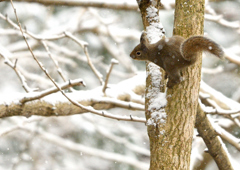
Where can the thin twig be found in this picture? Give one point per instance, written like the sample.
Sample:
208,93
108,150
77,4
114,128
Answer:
118,55
113,62
59,70
97,73
39,95
85,49
103,22
4,54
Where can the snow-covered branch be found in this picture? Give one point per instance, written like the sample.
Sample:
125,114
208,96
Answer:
215,146
120,5
57,105
39,95
226,136
223,101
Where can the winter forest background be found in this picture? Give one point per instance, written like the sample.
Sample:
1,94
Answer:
92,42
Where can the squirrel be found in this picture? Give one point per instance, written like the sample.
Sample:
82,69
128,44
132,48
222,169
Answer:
174,54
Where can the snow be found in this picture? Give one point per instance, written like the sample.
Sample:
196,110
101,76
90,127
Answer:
157,99
152,12
206,109
154,30
160,47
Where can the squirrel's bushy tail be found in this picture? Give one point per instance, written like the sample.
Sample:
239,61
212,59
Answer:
195,44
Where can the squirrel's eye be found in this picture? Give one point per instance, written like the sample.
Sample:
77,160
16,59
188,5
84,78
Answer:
138,53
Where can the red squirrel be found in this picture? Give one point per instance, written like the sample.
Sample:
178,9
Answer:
174,54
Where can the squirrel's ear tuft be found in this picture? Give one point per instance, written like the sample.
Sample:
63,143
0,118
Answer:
143,39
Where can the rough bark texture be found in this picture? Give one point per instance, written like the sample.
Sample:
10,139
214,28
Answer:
182,105
171,142
210,138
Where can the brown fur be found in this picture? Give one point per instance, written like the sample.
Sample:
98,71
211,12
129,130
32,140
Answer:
175,53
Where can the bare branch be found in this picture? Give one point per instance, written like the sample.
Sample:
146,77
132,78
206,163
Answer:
4,53
41,54
59,70
25,32
39,95
84,46
116,53
113,62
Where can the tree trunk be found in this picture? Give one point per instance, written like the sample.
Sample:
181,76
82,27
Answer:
170,127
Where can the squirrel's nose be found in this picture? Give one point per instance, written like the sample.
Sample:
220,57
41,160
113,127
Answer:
133,56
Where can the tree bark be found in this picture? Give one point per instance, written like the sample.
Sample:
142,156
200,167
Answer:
171,135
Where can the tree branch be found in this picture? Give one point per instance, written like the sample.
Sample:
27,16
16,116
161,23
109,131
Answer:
121,5
4,53
39,95
57,105
227,136
213,143
113,62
